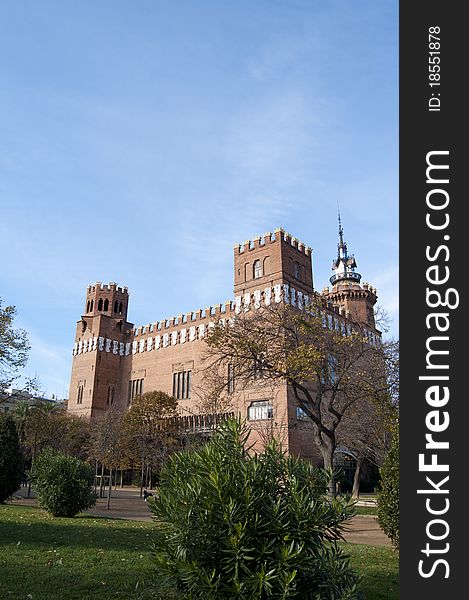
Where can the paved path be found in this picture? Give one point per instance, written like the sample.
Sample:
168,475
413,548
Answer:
127,504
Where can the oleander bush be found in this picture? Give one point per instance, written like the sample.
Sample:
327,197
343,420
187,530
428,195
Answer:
11,459
234,525
388,496
63,483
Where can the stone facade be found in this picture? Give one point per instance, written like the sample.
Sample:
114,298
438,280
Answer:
113,361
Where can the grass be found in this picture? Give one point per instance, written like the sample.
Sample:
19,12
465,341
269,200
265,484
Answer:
366,510
379,570
47,558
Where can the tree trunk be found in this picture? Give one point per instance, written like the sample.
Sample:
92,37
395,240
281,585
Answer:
33,456
95,484
122,478
146,475
109,490
101,482
327,451
142,475
356,478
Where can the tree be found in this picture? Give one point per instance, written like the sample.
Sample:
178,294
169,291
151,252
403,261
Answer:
14,347
230,524
329,370
151,431
365,429
106,445
388,496
63,483
11,463
46,424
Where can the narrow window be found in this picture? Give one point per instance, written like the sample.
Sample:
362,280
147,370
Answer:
106,305
116,306
183,385
297,270
100,304
120,308
92,303
257,269
189,384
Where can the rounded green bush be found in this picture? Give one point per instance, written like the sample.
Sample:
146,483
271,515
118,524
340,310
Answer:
230,524
388,496
11,459
63,483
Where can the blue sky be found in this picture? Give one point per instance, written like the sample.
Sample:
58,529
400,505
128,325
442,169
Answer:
139,141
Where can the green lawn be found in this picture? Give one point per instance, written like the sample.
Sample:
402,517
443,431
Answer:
379,570
47,558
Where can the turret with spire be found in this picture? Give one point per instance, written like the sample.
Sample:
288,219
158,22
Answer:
347,293
344,265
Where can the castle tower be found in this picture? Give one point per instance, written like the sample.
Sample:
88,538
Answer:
96,375
274,258
347,293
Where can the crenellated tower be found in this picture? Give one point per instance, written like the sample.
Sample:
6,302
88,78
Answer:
96,369
347,293
273,258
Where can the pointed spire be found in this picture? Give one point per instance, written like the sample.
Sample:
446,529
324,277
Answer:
341,230
344,265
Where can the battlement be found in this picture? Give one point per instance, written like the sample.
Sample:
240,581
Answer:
111,286
218,311
270,237
197,324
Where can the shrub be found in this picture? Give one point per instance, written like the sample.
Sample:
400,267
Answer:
388,496
63,483
234,525
11,460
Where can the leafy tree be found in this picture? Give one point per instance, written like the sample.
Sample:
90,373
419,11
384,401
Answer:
388,496
236,525
14,347
150,430
11,463
63,483
327,370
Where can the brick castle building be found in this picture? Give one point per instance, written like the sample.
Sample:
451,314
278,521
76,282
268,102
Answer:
113,361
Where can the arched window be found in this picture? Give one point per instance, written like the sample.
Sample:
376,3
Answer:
120,308
257,269
91,306
88,306
106,305
116,306
100,304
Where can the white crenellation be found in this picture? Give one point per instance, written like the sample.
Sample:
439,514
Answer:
257,298
332,318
